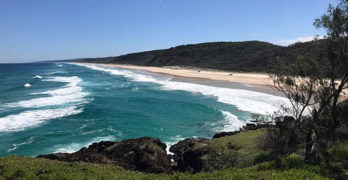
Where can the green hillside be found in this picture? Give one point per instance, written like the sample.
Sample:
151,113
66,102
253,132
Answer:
247,56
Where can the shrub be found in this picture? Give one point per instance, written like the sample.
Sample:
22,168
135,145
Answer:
262,157
219,157
292,161
282,138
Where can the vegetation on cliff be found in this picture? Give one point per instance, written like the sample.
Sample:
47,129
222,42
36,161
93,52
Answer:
290,167
251,162
35,168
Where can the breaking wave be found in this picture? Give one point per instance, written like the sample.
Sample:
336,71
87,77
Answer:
73,147
70,93
18,122
244,100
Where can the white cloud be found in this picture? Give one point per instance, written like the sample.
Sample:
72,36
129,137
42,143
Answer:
287,42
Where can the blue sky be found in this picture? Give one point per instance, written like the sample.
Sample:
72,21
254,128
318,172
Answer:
62,29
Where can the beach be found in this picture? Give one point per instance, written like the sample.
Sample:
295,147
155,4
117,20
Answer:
260,82
247,78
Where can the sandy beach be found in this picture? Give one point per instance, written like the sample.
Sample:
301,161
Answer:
253,81
247,78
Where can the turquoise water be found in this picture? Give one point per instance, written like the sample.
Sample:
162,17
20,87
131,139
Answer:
58,107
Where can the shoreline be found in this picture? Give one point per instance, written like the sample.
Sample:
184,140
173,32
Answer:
237,77
246,81
260,82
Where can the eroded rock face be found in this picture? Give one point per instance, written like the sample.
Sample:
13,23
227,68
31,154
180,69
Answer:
145,154
188,154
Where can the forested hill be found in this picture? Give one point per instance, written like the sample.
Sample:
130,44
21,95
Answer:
236,56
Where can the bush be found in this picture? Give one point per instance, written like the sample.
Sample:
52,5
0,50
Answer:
292,161
219,157
281,139
262,157
339,152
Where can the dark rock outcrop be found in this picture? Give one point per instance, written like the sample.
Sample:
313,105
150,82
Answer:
248,126
188,153
253,126
223,134
191,154
145,154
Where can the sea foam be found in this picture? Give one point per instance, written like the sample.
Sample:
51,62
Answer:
73,147
16,146
37,77
172,141
18,122
70,93
56,72
231,122
244,100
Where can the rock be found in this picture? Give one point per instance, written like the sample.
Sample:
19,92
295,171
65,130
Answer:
253,126
250,126
188,154
145,154
223,134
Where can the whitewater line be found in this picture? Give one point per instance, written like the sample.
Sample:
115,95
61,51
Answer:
70,93
244,100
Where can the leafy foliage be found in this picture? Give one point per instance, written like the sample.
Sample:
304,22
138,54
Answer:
282,139
314,91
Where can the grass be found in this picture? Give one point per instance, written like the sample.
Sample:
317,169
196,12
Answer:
245,139
234,151
340,151
33,168
237,152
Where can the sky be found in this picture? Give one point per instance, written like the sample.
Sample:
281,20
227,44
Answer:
32,30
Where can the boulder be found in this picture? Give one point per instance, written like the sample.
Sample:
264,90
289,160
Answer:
145,154
188,154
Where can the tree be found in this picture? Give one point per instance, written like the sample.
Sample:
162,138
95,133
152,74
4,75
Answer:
335,22
313,90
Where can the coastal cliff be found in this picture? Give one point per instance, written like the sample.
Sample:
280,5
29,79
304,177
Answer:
145,154
228,155
149,155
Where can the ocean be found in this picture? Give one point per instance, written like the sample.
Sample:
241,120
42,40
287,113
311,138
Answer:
62,107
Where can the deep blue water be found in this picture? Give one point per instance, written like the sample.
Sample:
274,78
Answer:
58,107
